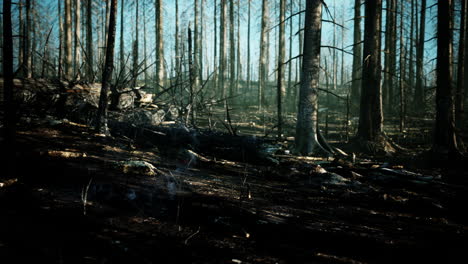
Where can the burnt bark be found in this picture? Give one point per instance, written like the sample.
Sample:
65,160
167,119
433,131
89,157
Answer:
444,141
101,124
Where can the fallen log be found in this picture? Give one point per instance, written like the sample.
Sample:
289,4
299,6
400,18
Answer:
171,140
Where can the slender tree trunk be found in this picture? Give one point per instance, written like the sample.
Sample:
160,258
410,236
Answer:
461,78
68,41
222,49
77,46
60,58
238,64
357,55
122,43
9,128
27,69
248,46
307,133
263,67
281,89
197,47
22,33
290,87
200,41
232,50
419,90
101,124
410,85
371,116
145,54
402,84
89,41
192,77
136,46
160,73
444,133
215,46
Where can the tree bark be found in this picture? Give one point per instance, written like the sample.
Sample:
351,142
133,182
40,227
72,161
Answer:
160,72
419,89
122,42
263,67
8,100
232,50
444,133
68,41
136,46
89,41
281,89
371,117
357,55
77,46
461,78
222,49
101,124
306,140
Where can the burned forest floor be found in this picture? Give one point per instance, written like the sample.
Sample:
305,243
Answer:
80,197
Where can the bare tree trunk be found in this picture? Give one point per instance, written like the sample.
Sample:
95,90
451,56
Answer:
238,64
197,47
122,43
160,73
263,67
9,128
371,116
200,42
136,46
357,55
89,42
101,124
145,54
281,89
22,33
419,90
68,41
402,84
410,85
77,47
232,50
290,87
307,133
445,142
248,46
215,46
27,69
60,58
461,78
222,49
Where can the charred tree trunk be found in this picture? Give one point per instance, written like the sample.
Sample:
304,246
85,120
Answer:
281,90
160,73
357,56
445,142
419,89
122,43
77,44
307,133
9,116
68,41
101,122
89,42
461,78
222,49
263,67
370,129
